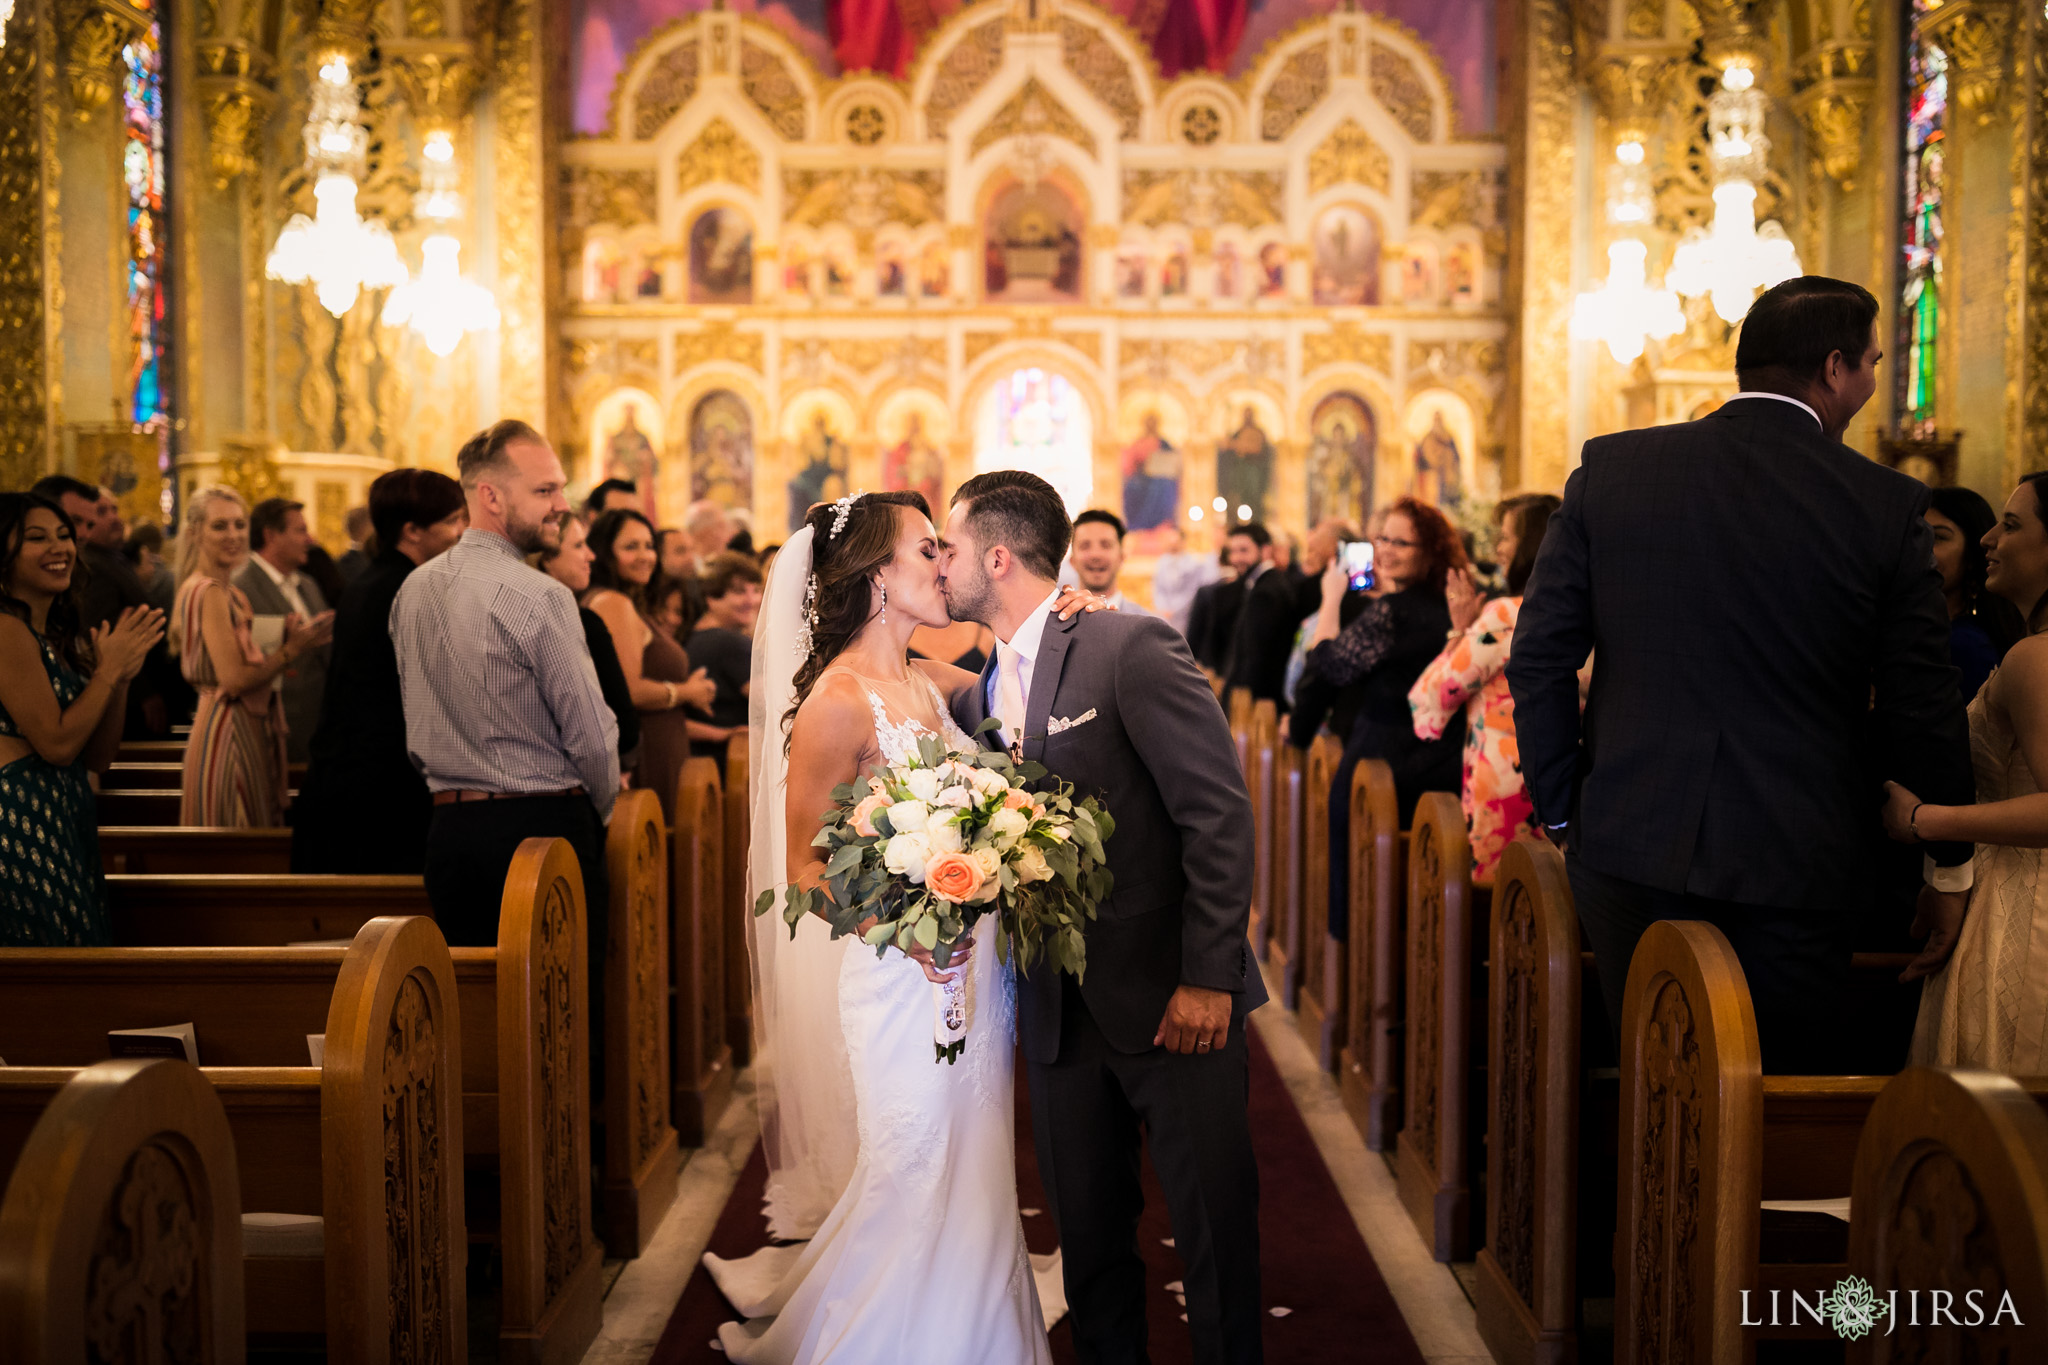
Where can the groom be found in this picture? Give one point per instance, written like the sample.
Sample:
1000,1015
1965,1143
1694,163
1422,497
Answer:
1153,1044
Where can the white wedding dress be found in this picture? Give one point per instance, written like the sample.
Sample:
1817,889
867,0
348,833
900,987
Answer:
922,1258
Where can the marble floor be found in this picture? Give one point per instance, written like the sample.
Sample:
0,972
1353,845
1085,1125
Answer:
1433,1302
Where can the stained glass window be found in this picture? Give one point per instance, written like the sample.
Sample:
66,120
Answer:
1034,419
1921,232
142,172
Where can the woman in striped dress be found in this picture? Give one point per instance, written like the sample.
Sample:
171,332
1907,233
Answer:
235,760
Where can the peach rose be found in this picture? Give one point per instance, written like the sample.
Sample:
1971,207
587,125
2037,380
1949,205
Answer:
864,814
954,877
1016,799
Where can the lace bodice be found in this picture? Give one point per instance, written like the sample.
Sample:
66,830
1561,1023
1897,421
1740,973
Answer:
897,739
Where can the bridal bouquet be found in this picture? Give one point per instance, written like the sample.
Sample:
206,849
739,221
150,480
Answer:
925,848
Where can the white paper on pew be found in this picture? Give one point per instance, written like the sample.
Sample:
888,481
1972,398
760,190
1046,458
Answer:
285,1235
1833,1208
316,1044
267,634
167,1040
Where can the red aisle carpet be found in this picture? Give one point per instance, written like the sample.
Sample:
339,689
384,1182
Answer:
1316,1265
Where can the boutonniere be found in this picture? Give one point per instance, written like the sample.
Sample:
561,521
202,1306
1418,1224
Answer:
1060,724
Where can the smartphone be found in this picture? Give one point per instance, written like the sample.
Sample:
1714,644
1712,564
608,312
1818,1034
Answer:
1356,556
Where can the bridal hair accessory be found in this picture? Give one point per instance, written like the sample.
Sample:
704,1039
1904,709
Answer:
810,617
842,509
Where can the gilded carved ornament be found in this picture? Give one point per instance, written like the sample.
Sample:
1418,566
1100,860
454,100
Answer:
1835,111
1347,343
865,198
94,32
251,469
1097,65
1633,89
965,69
1033,109
1974,34
1203,198
439,83
1399,88
616,198
718,155
768,83
1349,156
667,88
1303,81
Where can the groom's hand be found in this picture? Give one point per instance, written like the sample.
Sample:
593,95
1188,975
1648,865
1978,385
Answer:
1197,1020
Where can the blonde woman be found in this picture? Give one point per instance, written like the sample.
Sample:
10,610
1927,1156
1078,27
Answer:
235,772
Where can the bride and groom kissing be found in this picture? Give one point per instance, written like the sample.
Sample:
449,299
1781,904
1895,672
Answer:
892,1184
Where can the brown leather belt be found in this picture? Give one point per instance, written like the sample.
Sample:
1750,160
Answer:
456,798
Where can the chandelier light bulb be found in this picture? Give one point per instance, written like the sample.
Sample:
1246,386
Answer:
439,199
1736,259
1221,504
441,305
1625,312
1629,153
335,250
1194,511
1737,76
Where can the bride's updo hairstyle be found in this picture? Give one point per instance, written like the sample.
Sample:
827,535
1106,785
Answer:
842,564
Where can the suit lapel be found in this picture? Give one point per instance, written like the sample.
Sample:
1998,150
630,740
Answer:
1045,682
976,709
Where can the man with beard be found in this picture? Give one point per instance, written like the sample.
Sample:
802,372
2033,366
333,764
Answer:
503,712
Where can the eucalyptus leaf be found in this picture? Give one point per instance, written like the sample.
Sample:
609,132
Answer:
845,860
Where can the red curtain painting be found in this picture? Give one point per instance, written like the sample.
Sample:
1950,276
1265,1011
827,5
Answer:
1186,35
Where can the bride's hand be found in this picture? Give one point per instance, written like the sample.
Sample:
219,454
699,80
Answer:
963,953
1074,599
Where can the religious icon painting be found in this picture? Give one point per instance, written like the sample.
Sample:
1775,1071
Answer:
1130,274
838,274
1173,275
1272,271
721,257
1342,440
1439,431
892,271
1418,274
1152,464
1229,273
934,271
1032,246
604,266
722,450
626,431
1461,274
1244,467
821,458
1347,257
798,280
911,427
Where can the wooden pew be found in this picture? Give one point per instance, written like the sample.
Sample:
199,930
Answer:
1263,737
151,751
165,849
1238,706
367,1141
1319,1001
193,911
1283,894
1951,1178
129,806
701,1084
737,801
1705,1138
149,776
1375,949
642,1158
1445,1029
124,1147
1526,1292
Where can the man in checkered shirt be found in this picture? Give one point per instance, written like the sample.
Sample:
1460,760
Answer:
503,713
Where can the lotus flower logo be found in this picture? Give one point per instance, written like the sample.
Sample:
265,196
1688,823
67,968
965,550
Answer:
1852,1307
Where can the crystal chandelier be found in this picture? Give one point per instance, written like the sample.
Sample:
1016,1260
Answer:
336,250
440,304
1625,311
1736,258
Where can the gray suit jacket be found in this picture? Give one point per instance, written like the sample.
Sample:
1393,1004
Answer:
1148,738
305,680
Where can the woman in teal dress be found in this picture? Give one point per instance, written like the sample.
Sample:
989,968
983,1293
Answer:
62,696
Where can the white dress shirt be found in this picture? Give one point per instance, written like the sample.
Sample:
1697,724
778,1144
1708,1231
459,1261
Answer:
1023,646
287,583
1783,398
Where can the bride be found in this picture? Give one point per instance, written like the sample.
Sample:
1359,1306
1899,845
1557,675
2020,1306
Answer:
900,1172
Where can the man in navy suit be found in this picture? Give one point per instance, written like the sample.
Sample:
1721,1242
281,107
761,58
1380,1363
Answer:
1770,644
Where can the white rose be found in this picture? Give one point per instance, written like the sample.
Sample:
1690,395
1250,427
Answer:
991,864
923,784
906,855
958,798
1031,865
943,836
1008,826
1059,833
909,817
987,781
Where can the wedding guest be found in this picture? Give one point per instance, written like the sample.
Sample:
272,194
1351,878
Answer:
1266,619
363,807
1471,675
723,646
668,602
235,766
710,529
672,554
107,585
274,585
657,669
321,568
1982,626
503,714
1383,651
1097,557
60,714
568,563
1989,1006
612,495
1177,575
357,556
144,551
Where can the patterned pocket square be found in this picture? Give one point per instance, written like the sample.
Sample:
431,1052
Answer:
1060,724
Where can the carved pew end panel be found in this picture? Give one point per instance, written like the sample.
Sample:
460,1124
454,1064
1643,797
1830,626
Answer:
121,1227
391,1133
737,796
1370,1069
552,1302
1526,1295
1951,1194
1320,999
701,1083
1692,1099
1262,738
641,1157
